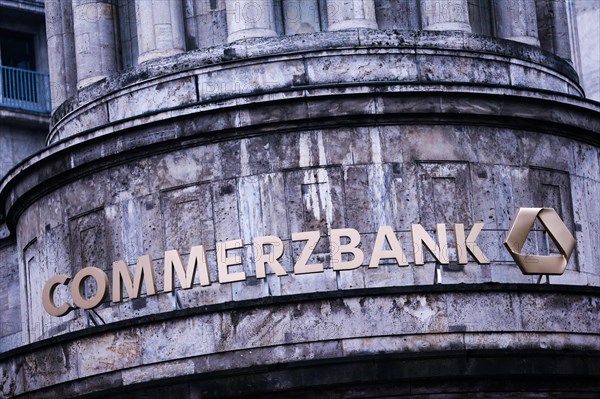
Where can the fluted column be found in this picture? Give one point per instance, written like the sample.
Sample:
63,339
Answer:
301,16
553,27
205,22
61,50
516,20
249,18
350,14
159,28
445,15
95,44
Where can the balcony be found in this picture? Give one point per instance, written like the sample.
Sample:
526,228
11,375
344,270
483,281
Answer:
25,90
36,6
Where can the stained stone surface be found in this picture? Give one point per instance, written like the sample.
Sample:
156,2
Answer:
347,326
290,182
355,129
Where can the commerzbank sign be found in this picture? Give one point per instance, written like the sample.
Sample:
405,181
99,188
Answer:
346,254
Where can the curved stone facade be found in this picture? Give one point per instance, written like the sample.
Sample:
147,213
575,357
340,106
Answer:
440,340
274,136
261,70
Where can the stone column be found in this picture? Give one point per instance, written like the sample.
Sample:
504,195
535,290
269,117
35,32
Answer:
516,20
128,33
301,16
398,14
95,40
553,27
159,28
445,15
351,14
205,23
61,50
249,18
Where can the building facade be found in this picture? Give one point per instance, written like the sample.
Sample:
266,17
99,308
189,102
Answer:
586,46
24,83
24,118
340,175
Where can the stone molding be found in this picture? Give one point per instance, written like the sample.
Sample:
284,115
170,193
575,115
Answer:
305,62
426,321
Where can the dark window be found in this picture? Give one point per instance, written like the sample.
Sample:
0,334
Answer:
17,51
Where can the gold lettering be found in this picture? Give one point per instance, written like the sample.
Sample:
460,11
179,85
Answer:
337,249
223,262
186,277
301,266
48,296
386,233
101,287
462,244
122,276
261,258
420,238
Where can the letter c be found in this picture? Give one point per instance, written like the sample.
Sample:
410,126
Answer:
48,296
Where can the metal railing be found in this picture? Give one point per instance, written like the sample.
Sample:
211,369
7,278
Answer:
23,89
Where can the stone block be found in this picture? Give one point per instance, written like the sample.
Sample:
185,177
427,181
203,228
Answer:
253,328
442,143
403,344
484,312
164,95
109,352
178,339
525,76
436,68
189,166
559,313
50,366
225,209
158,371
502,340
375,66
307,283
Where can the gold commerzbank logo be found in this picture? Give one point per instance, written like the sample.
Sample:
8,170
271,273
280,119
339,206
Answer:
348,250
556,229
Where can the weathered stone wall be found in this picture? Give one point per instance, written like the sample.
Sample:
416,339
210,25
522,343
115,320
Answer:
285,182
586,13
204,81
164,28
10,297
260,347
313,153
355,129
22,133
